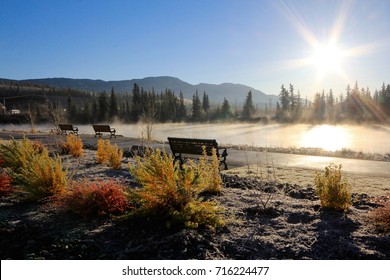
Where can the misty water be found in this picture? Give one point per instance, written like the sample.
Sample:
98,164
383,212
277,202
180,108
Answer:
368,139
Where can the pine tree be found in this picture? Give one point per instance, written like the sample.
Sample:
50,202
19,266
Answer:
196,107
225,110
103,106
113,105
206,102
284,98
249,108
182,112
136,105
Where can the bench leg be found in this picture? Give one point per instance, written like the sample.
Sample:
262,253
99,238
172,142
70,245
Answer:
223,161
178,158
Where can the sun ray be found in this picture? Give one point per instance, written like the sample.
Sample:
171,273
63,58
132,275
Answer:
327,55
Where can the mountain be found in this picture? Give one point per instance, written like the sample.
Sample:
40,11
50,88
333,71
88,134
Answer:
234,93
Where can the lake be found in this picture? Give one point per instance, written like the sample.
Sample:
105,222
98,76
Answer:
369,139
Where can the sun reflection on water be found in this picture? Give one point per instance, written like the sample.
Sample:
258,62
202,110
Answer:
330,138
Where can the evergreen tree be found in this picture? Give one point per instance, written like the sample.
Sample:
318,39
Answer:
284,98
71,110
249,108
206,102
225,110
293,101
136,105
196,107
94,110
182,112
103,106
113,105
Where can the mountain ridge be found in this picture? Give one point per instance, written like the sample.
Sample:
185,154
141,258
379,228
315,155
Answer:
217,92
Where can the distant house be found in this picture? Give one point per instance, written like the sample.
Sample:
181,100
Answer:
15,112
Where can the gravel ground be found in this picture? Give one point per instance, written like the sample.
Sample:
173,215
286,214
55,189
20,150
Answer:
265,220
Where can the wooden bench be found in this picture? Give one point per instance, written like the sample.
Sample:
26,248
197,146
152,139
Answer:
100,128
190,146
68,127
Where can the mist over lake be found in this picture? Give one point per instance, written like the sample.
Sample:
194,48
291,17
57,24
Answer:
368,139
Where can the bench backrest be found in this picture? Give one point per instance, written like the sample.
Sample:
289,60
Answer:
63,126
192,146
101,128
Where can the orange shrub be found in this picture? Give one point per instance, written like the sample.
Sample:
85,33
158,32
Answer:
98,198
73,145
5,184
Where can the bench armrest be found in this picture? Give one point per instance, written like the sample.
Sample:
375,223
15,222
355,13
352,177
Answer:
224,152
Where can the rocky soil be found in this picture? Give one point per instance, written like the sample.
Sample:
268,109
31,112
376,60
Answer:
265,220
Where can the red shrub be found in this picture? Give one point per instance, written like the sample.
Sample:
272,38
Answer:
5,183
97,198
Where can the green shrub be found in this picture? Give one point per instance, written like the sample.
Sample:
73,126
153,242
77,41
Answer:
97,198
333,188
172,192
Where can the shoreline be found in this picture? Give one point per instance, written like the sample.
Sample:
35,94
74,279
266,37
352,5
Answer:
308,151
372,184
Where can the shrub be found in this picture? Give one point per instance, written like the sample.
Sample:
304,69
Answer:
108,153
381,217
31,167
43,176
115,159
16,154
172,192
97,198
6,186
333,189
102,153
73,145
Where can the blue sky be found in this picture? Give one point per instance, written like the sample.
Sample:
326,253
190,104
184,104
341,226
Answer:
263,44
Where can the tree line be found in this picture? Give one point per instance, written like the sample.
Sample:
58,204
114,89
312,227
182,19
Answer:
45,104
60,105
356,105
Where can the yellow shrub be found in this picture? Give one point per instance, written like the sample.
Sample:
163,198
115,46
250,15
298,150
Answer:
102,153
33,169
74,145
108,153
116,155
333,189
43,176
174,192
16,154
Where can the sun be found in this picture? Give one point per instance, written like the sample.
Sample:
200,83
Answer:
328,58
